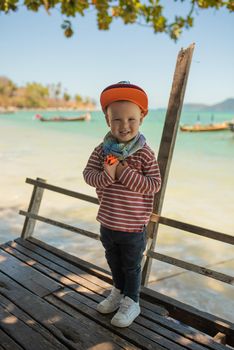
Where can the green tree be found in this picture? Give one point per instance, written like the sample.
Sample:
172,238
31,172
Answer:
7,87
144,12
36,95
66,96
78,99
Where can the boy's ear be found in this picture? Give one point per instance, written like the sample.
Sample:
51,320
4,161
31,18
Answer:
107,119
142,117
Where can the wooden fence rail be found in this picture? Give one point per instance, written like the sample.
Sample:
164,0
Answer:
41,183
201,231
59,224
32,215
191,267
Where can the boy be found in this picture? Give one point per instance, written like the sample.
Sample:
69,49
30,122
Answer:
126,175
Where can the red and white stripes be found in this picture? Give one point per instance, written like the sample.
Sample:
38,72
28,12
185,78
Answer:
126,203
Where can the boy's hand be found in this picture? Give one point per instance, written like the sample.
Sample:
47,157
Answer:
111,169
120,168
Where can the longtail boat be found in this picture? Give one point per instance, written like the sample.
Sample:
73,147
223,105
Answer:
83,117
205,127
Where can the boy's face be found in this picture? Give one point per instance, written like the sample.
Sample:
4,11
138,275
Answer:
124,118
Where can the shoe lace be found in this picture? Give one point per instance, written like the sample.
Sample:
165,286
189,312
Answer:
124,307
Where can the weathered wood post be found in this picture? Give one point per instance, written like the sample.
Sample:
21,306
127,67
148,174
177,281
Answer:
167,145
33,208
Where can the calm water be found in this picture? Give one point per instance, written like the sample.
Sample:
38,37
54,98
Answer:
199,191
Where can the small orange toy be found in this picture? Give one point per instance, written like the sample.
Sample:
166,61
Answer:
111,159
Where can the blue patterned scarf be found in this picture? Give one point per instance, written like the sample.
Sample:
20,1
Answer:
122,150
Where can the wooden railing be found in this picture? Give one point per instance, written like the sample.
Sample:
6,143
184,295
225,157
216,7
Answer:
32,215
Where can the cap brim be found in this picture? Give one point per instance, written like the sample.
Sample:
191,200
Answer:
133,95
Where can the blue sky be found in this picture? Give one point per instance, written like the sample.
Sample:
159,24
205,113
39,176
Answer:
33,48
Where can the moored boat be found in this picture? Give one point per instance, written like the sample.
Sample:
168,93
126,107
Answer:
205,127
84,117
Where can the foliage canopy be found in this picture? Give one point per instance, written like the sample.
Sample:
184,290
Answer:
143,12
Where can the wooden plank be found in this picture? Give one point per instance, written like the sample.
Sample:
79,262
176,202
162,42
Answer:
63,191
144,313
58,273
146,293
24,334
92,325
198,319
191,267
7,343
25,275
86,266
169,334
65,276
52,222
182,329
161,325
155,308
167,143
201,339
77,286
203,321
220,338
160,333
55,263
75,274
56,345
136,334
63,280
102,320
8,306
71,332
34,207
198,230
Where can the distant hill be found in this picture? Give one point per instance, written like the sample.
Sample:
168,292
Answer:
225,106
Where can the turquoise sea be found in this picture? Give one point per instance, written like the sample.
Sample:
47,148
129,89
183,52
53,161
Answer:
199,191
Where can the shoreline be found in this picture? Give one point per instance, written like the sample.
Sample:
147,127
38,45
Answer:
10,110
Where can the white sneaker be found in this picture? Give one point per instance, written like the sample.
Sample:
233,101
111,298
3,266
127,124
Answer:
127,313
111,303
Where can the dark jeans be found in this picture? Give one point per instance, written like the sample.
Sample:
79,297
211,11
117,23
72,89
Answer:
124,252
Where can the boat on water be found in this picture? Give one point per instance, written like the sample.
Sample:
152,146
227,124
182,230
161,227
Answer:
205,127
198,126
84,117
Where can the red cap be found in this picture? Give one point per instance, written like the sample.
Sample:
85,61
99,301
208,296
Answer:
124,91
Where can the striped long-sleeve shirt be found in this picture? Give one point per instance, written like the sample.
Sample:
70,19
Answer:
126,203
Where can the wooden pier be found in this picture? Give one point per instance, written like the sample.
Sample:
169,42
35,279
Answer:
48,300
